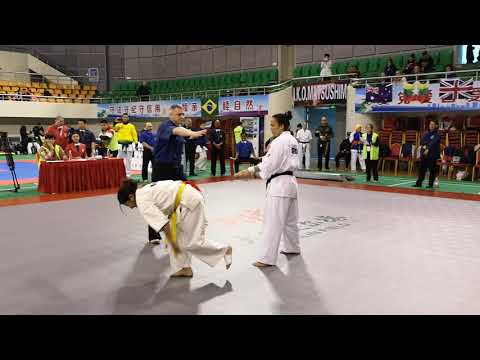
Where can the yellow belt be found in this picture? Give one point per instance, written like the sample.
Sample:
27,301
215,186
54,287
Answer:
173,217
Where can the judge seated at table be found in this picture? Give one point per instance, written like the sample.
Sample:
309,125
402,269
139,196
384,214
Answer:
50,151
76,150
245,153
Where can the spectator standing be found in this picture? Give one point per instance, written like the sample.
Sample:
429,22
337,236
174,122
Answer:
60,131
147,139
76,149
143,91
245,153
108,140
426,62
326,66
390,69
356,149
127,136
411,62
24,139
239,129
451,75
190,148
470,56
86,137
217,139
371,152
429,154
304,136
344,152
324,134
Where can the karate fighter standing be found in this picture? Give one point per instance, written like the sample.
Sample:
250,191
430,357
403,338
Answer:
157,203
304,136
281,209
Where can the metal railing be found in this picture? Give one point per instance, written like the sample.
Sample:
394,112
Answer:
23,76
422,77
251,90
41,98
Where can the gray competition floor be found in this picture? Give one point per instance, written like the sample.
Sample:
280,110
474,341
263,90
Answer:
363,253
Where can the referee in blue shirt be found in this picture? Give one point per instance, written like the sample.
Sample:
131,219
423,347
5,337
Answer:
168,149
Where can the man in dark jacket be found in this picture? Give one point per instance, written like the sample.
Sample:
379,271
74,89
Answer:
344,152
143,91
147,139
430,153
217,139
190,147
324,134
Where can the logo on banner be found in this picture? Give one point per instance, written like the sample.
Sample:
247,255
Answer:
416,92
209,107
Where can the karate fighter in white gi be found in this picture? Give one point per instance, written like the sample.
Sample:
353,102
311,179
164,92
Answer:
281,209
157,202
304,136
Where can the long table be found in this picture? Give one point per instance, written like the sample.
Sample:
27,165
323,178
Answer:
56,177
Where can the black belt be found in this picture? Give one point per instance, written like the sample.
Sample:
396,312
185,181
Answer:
304,142
279,174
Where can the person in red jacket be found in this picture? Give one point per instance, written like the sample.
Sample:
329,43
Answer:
76,150
60,131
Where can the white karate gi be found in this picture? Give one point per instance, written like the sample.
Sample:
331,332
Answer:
31,145
156,201
280,220
356,154
304,137
201,162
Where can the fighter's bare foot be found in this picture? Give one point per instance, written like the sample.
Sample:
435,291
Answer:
228,257
185,272
260,264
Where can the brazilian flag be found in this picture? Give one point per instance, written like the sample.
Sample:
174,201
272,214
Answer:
209,107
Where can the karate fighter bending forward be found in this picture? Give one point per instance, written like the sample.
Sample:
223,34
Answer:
281,209
177,209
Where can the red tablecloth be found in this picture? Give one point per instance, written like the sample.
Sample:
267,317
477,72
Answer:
73,176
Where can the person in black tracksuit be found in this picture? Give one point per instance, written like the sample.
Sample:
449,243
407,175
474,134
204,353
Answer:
344,152
430,153
147,139
217,139
325,135
190,147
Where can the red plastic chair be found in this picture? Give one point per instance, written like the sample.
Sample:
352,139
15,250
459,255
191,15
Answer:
394,156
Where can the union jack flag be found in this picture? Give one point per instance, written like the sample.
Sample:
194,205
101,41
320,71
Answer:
452,90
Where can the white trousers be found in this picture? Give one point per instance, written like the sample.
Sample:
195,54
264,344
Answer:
31,145
127,156
353,160
280,226
304,149
201,162
191,240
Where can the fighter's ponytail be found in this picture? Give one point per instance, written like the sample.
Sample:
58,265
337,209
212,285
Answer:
128,187
284,119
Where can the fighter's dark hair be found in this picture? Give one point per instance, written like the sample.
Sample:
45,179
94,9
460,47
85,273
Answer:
83,120
128,187
284,119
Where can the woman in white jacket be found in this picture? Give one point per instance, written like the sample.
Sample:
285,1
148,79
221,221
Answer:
326,66
280,220
163,204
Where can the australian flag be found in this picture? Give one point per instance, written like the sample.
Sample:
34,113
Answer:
381,94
